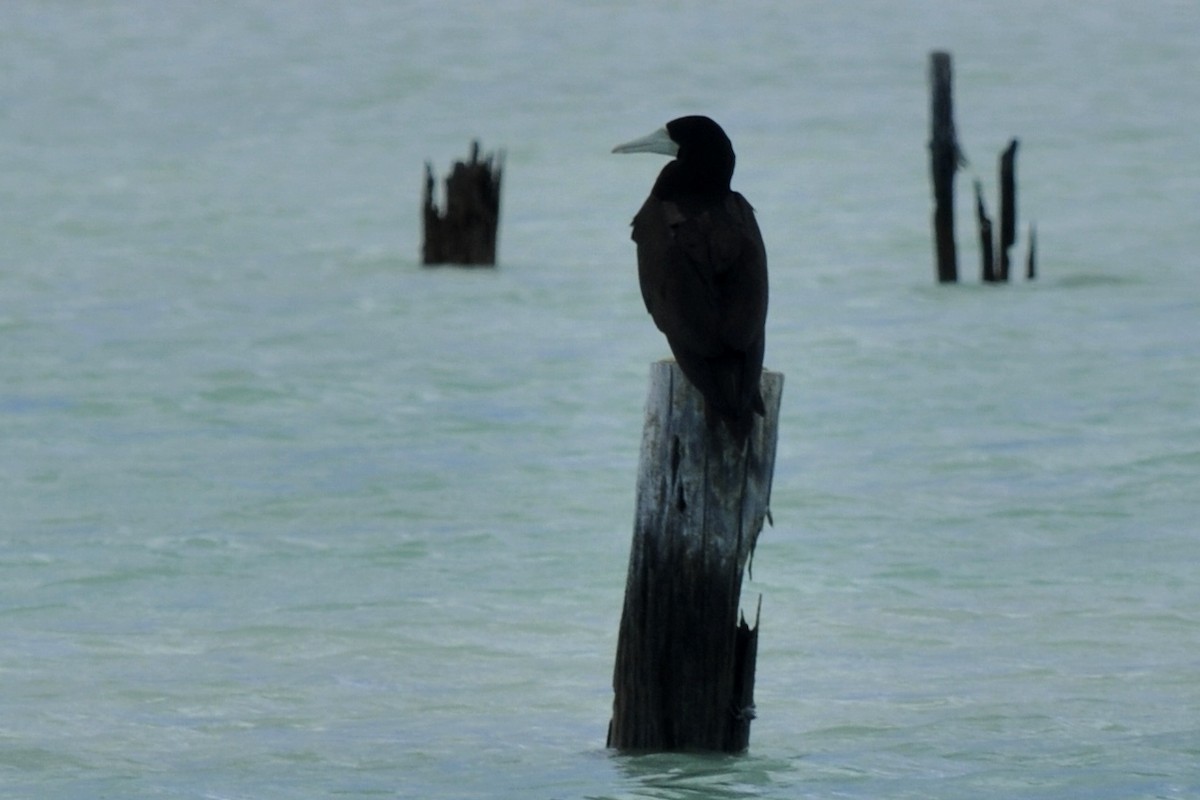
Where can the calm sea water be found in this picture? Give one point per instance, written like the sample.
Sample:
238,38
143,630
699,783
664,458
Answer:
286,515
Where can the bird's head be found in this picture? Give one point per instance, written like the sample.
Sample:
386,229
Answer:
703,153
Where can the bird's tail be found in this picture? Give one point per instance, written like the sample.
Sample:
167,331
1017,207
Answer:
738,419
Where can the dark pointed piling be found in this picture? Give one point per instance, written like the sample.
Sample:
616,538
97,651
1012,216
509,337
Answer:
985,237
1008,205
684,672
1031,255
944,158
465,233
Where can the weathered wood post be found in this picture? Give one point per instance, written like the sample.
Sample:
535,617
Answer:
944,159
465,233
684,672
1008,206
985,236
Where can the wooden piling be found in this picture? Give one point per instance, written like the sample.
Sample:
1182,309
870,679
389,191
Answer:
985,237
684,672
1008,206
944,159
465,233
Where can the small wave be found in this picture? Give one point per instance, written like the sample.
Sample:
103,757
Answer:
1091,280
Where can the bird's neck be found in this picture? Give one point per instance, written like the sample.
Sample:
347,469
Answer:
680,178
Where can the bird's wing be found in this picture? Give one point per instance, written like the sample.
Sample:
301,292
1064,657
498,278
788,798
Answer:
746,290
703,273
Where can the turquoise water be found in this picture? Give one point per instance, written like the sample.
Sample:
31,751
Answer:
286,515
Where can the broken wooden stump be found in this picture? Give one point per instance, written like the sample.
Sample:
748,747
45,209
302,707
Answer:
684,672
465,232
944,159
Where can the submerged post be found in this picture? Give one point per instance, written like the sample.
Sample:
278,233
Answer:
465,233
1008,206
684,672
985,236
944,158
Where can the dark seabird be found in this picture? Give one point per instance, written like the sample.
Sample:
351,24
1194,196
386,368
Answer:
703,268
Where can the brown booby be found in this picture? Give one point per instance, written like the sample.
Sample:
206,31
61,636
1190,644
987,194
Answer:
702,268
